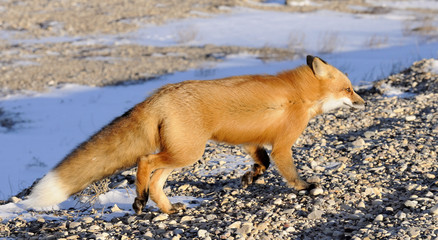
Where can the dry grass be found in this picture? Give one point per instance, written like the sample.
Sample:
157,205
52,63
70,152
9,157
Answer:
329,42
90,194
7,120
424,27
296,43
376,41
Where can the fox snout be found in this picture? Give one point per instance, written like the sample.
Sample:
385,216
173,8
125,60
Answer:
358,102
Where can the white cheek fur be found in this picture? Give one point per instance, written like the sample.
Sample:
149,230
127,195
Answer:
334,103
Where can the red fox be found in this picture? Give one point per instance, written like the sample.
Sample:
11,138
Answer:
170,129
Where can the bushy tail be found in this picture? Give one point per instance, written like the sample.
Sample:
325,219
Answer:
117,146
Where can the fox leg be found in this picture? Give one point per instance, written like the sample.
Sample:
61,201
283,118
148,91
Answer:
163,163
157,194
261,163
285,164
144,171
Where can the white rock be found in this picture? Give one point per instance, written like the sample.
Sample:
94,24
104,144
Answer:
411,204
235,225
314,179
102,236
202,233
87,219
410,118
316,191
400,215
94,228
434,210
315,214
378,218
161,217
74,225
358,143
187,218
115,208
414,232
361,204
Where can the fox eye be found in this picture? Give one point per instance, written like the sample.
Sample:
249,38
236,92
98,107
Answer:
348,89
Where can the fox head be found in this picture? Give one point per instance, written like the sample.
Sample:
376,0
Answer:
337,90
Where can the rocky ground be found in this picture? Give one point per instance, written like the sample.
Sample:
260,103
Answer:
377,171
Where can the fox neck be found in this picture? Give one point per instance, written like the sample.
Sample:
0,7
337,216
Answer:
308,88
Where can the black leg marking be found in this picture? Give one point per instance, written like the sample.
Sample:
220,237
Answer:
262,162
139,204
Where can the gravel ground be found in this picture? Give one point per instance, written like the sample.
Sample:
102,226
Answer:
377,170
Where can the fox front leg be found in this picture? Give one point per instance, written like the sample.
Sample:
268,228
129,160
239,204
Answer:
285,164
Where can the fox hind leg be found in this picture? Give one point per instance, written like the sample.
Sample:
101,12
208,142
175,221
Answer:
163,163
157,194
261,163
144,171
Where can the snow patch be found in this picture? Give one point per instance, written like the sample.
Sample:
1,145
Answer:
433,67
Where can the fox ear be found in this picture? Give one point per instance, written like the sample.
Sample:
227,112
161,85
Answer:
318,66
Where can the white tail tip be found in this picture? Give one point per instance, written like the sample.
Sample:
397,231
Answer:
48,192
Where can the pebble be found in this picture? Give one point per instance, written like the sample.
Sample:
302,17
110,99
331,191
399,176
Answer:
87,219
74,224
202,233
115,208
410,118
400,215
414,232
378,218
434,210
358,143
410,203
187,218
244,229
161,217
235,225
315,214
316,191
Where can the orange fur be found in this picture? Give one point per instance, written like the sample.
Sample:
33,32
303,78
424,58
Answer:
178,120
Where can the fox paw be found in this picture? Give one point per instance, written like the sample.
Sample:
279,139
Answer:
176,207
247,179
138,205
303,185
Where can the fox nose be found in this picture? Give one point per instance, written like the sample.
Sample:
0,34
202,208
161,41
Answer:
359,104
362,104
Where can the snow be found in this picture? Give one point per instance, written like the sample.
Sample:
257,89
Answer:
53,123
257,28
433,68
421,4
123,198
